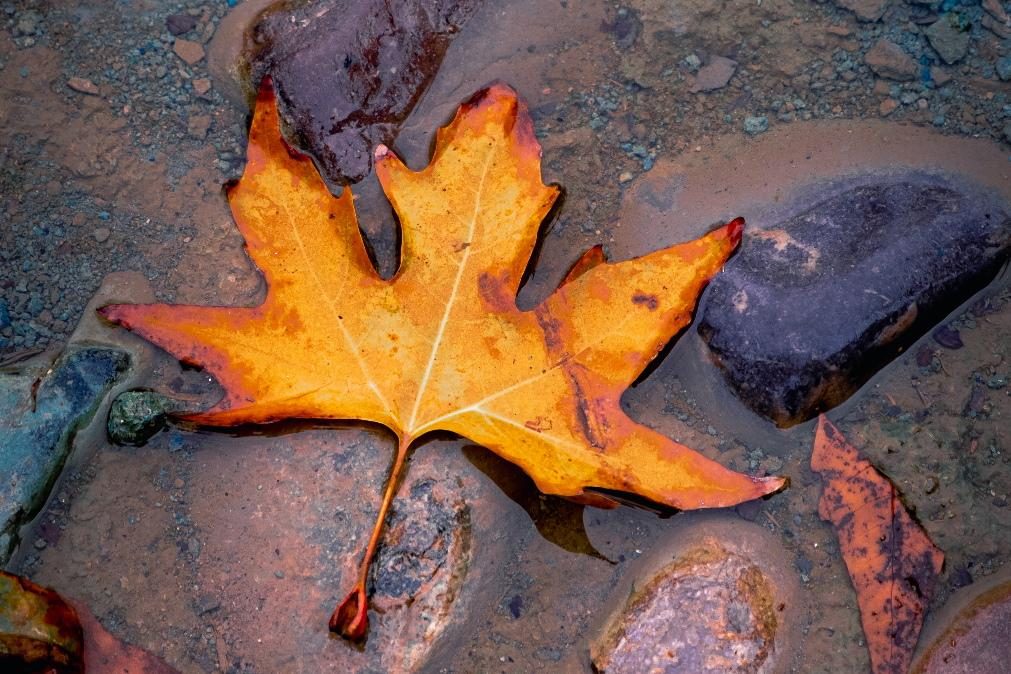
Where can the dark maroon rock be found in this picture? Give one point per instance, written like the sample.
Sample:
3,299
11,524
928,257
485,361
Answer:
348,72
949,338
178,24
812,307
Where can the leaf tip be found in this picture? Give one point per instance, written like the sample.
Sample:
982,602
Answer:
351,617
735,231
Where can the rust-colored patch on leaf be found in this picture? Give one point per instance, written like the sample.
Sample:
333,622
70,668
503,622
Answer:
892,563
541,388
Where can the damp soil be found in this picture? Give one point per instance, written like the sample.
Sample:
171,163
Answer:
226,553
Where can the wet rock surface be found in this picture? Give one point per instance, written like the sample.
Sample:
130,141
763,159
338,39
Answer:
977,638
42,405
812,307
348,73
713,602
39,631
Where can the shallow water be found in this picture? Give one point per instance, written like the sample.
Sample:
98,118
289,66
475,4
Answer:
222,553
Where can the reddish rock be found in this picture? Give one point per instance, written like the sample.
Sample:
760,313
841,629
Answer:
888,60
865,10
727,602
189,51
715,74
972,634
888,106
82,85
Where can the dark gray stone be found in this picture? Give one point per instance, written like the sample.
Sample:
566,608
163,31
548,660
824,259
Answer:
811,308
949,38
347,74
40,412
135,416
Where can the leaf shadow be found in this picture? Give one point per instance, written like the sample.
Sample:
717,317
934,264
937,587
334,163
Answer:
558,520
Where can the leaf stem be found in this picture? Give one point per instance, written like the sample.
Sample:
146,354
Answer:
350,619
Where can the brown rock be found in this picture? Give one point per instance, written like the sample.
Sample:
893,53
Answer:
994,9
865,10
197,126
939,76
888,106
996,27
201,85
881,88
972,634
82,85
726,603
102,234
888,60
715,74
189,51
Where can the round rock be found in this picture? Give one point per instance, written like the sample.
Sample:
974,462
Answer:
720,596
972,633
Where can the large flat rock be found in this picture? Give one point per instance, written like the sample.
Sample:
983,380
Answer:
852,274
41,408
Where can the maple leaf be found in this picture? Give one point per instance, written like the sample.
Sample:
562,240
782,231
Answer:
442,345
892,563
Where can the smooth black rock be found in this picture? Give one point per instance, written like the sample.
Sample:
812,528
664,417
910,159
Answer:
348,72
811,308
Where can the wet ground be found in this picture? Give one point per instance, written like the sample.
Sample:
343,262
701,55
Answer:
224,553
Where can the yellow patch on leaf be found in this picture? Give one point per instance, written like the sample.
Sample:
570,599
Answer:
442,345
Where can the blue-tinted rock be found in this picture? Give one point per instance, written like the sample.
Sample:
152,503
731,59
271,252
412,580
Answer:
812,307
36,432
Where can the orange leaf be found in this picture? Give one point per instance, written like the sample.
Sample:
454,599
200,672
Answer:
442,346
892,563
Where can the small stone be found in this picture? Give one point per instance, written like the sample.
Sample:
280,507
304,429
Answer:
82,85
994,9
101,234
998,28
756,125
178,24
40,544
1003,68
888,60
865,10
625,177
888,106
939,76
951,42
135,416
714,75
201,86
27,23
881,88
948,337
197,126
189,51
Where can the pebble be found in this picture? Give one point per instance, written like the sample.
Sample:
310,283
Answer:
756,125
890,61
102,234
888,106
201,85
197,126
83,85
865,10
714,75
948,40
189,51
177,24
1003,68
